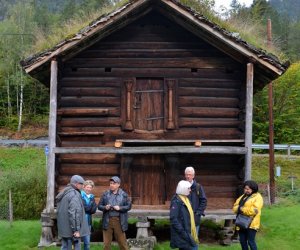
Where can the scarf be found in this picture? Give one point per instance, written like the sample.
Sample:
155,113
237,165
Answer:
186,201
243,201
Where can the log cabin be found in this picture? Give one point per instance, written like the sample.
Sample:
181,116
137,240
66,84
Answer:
144,92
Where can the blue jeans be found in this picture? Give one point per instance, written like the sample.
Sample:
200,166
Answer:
197,230
86,242
66,244
247,237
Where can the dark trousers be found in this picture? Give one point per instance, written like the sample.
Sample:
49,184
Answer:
114,228
247,237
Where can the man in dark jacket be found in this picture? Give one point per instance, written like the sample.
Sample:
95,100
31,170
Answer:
115,205
71,222
197,197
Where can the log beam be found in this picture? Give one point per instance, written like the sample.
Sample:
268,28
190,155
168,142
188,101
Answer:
249,119
154,150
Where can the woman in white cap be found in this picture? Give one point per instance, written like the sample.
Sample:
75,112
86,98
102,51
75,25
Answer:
183,228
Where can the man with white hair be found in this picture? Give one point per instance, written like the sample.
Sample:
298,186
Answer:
197,197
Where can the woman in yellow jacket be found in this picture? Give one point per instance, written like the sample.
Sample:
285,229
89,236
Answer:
249,204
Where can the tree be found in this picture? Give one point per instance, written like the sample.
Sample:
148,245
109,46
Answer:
286,109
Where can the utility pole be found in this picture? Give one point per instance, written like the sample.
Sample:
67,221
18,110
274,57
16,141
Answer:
271,124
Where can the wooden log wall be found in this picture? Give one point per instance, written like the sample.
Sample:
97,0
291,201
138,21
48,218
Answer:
95,167
221,177
208,94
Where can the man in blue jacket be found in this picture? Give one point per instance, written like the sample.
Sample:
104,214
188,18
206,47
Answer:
115,205
197,197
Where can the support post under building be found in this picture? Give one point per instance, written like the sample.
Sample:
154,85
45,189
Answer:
46,216
249,119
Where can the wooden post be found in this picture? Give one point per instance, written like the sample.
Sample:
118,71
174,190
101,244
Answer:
249,118
269,33
171,86
128,123
10,208
46,216
271,146
52,138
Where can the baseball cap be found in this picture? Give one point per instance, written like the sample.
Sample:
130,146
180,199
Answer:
77,179
115,179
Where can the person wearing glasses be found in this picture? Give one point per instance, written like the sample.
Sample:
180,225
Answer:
197,197
250,204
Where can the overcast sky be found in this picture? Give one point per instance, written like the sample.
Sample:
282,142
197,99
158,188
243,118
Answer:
226,3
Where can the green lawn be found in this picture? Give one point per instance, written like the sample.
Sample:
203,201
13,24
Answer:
280,231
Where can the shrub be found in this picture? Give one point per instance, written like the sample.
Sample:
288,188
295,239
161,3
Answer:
25,176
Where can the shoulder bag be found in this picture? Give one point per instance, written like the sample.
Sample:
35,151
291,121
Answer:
243,221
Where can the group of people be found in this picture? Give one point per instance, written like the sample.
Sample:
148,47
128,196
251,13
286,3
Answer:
188,205
76,204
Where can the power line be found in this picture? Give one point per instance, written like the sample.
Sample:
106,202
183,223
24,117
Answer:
16,34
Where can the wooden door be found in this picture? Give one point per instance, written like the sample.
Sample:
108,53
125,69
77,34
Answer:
148,104
148,180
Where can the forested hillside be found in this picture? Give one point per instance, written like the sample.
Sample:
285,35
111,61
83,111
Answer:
29,27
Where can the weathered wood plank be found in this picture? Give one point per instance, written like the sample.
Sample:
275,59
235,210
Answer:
91,122
52,136
147,53
209,123
89,169
220,203
207,62
210,83
84,91
79,81
209,133
249,118
83,111
89,158
182,134
208,113
208,92
154,150
107,130
154,72
110,142
84,142
137,141
89,101
163,31
148,45
218,102
81,133
216,189
215,177
226,162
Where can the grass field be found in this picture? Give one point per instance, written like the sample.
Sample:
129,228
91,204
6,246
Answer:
280,231
279,228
